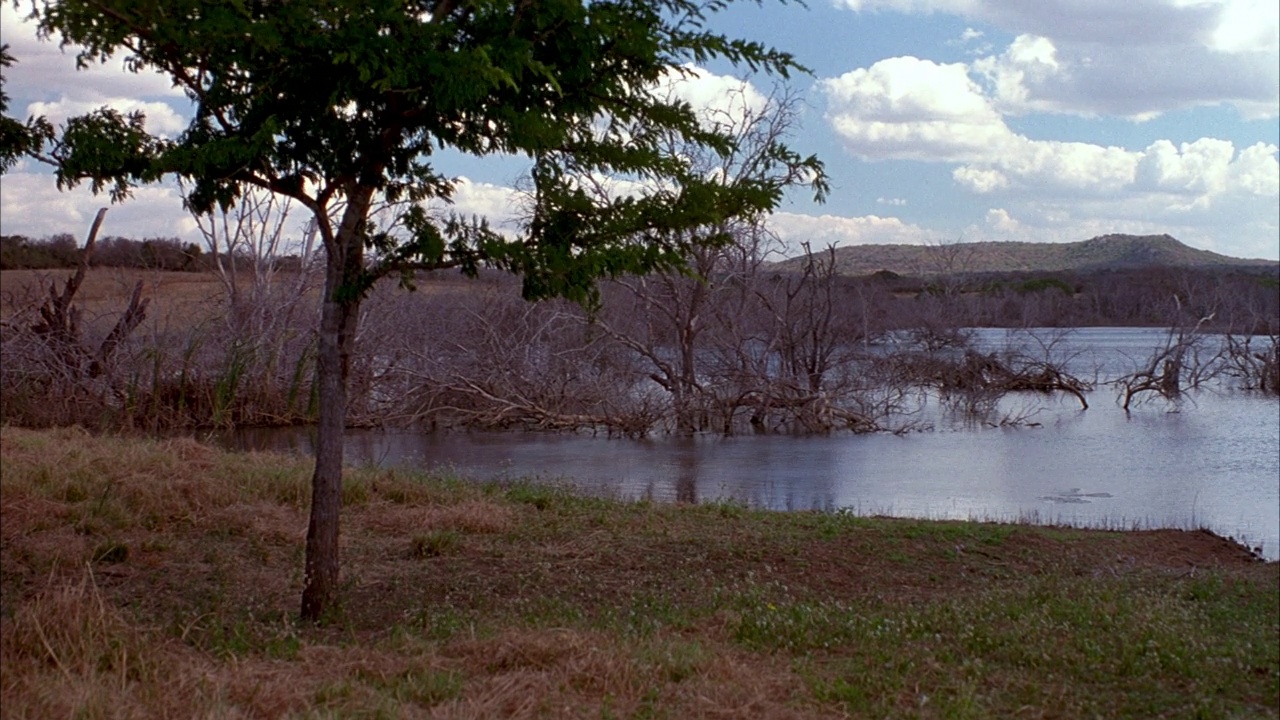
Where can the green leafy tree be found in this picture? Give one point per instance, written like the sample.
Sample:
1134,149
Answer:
344,104
17,138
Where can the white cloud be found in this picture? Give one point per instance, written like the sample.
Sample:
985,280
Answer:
1248,26
911,109
160,118
1000,220
717,99
1234,223
1073,167
499,204
896,202
32,205
1207,185
1137,81
44,71
1093,58
973,42
45,81
979,180
1030,60
823,230
1192,169
1136,59
1256,171
907,108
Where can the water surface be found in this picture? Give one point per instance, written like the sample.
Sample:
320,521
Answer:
1213,461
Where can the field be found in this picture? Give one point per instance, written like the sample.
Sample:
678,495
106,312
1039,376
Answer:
146,578
177,298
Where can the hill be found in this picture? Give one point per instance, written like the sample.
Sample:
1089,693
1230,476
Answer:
1106,252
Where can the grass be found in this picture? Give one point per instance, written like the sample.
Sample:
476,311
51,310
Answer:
161,578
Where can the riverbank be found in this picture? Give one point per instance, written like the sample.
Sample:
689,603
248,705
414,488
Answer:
161,578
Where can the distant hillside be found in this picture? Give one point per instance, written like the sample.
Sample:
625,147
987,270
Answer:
1108,252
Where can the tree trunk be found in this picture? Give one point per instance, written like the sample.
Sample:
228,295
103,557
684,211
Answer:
338,320
687,336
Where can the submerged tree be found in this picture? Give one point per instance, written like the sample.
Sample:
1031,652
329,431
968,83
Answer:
673,323
342,104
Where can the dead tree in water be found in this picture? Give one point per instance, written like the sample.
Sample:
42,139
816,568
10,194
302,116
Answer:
976,381
1256,368
1175,365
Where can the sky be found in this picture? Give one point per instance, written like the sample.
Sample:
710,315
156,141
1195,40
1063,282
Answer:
939,121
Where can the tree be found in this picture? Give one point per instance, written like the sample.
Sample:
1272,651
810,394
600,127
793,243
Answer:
667,317
340,104
16,138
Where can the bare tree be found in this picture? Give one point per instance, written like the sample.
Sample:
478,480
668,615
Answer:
248,246
1186,359
504,363
676,322
813,361
1254,361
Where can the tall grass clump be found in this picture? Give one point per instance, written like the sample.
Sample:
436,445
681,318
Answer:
114,483
218,381
67,653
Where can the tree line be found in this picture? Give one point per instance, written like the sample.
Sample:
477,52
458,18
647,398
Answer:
62,251
1244,298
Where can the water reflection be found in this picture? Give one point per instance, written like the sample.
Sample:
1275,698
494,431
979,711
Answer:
686,473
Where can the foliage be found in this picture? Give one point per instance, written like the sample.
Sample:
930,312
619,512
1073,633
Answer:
61,251
16,138
1043,284
563,83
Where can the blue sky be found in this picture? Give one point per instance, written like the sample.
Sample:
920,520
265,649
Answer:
939,121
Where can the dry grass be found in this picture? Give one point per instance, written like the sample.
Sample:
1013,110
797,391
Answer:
178,299
146,578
